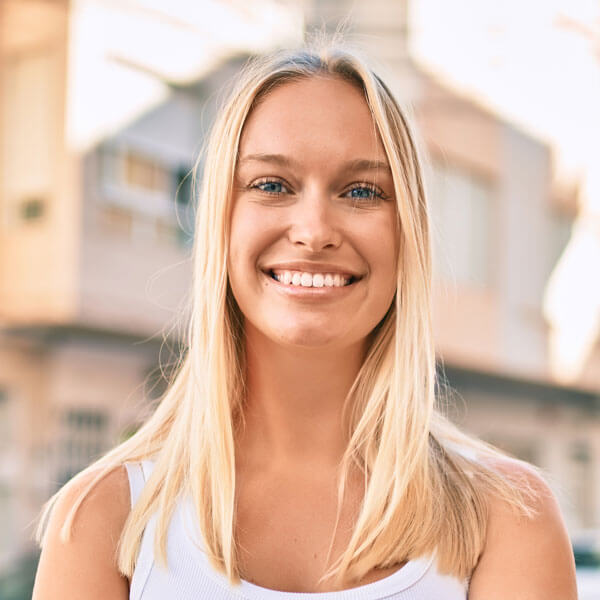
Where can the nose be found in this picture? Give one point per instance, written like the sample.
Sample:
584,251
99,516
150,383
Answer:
314,224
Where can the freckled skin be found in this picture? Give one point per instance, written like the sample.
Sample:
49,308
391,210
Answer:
320,124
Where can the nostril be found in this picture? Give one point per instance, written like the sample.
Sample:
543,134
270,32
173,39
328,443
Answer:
316,241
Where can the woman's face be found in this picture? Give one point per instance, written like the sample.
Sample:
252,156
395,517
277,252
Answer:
312,254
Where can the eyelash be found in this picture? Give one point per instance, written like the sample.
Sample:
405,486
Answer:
376,193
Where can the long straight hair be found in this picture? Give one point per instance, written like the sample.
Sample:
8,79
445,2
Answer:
426,484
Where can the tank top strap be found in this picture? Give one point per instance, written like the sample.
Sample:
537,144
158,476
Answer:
138,474
137,479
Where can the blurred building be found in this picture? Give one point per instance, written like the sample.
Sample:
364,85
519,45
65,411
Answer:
104,108
500,228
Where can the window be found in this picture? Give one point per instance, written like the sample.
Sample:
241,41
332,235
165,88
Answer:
581,461
462,212
83,439
143,197
32,209
146,174
136,181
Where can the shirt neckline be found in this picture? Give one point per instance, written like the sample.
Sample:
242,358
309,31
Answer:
406,576
403,578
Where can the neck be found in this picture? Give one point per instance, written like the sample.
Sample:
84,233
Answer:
294,403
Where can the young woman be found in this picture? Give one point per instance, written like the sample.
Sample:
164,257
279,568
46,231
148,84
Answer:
298,452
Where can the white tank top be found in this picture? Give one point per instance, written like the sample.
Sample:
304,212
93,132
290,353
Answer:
190,576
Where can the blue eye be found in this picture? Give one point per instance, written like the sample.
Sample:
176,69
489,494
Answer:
368,193
362,192
270,186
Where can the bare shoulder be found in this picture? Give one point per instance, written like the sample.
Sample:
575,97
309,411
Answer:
527,558
85,566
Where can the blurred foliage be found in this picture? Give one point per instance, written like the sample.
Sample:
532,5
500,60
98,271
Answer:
17,584
586,557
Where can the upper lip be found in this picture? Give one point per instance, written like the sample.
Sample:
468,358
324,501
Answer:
311,267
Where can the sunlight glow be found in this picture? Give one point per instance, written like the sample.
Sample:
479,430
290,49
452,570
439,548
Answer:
572,303
124,56
536,63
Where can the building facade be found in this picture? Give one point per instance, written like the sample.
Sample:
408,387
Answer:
96,209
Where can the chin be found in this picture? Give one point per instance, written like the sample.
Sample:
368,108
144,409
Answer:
305,337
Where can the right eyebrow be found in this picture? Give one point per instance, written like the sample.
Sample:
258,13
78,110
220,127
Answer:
278,159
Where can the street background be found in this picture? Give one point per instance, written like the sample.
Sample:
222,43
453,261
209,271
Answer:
104,107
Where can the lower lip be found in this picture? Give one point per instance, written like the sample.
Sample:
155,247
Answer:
298,291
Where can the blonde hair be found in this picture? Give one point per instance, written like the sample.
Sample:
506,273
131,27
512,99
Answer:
427,485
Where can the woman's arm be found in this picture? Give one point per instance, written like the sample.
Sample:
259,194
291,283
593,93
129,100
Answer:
86,565
526,559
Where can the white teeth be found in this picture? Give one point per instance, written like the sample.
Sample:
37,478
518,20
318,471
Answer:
305,279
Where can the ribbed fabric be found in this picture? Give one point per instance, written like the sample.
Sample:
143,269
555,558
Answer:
191,577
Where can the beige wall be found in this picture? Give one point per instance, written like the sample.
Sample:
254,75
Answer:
43,378
23,383
37,256
500,327
555,435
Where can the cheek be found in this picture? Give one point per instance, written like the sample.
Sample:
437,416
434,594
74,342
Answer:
242,235
236,260
254,228
236,227
386,258
381,243
250,235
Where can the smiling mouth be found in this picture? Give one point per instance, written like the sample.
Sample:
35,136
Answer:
311,280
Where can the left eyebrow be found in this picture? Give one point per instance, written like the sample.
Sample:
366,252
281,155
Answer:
364,164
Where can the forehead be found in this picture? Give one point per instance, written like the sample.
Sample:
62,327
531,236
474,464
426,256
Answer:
322,117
